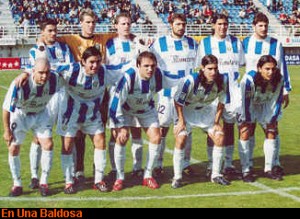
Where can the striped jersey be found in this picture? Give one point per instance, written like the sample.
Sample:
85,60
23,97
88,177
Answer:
31,98
192,94
135,95
176,57
255,48
121,52
57,54
229,52
84,92
255,96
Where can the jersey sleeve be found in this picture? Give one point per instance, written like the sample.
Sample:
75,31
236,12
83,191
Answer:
184,89
284,70
118,99
247,89
242,58
276,102
11,98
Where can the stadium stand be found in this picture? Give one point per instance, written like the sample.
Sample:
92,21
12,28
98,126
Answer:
30,12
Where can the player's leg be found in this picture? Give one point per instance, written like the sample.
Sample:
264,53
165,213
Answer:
137,151
35,160
178,159
187,169
15,168
218,137
252,145
154,136
68,164
120,157
46,164
271,131
99,161
210,149
111,150
80,152
229,169
245,131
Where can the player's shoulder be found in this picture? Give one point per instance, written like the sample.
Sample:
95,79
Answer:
249,77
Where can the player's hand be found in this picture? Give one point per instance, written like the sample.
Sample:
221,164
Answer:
8,137
122,136
22,79
286,101
218,130
180,127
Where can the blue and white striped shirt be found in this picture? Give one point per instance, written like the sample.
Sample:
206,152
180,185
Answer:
255,48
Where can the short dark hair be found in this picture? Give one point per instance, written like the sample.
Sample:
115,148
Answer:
91,51
219,17
43,24
117,18
209,59
260,17
176,16
143,55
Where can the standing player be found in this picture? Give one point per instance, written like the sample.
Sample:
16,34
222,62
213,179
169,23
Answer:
78,44
194,102
80,111
257,45
229,51
133,100
176,55
120,51
24,110
262,94
58,54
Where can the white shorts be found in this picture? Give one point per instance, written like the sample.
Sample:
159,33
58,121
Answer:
68,127
21,124
144,120
231,109
262,114
54,104
166,111
201,118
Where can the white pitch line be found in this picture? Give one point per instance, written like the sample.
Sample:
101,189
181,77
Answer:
275,191
81,199
258,185
5,88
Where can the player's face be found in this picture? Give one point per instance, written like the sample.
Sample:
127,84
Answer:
267,71
123,27
41,74
178,28
92,65
49,34
88,26
147,68
210,72
221,28
261,30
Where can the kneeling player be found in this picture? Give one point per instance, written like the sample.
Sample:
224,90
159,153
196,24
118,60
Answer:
25,109
262,95
195,103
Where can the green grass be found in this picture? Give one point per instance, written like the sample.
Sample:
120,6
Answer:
199,186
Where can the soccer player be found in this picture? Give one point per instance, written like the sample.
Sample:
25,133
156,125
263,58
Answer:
195,105
120,51
78,44
229,51
257,45
262,95
24,110
80,111
176,54
58,54
133,100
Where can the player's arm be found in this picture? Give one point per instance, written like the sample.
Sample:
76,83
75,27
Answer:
246,90
8,135
180,97
218,117
276,102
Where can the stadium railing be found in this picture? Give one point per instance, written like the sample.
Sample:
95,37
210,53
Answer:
147,30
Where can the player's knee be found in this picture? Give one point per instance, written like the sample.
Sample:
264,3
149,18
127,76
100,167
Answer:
14,151
219,139
180,141
155,138
245,132
271,132
48,145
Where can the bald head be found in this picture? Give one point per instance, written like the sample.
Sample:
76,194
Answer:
41,71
